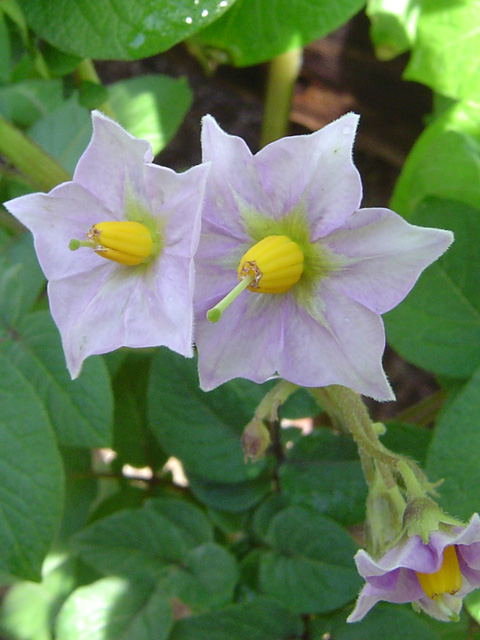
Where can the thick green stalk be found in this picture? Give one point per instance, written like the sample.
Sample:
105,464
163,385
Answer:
40,169
282,74
348,410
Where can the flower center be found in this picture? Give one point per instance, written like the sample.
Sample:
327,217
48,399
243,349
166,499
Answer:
272,265
127,242
447,579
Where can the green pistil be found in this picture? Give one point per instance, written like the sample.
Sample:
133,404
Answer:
74,244
214,314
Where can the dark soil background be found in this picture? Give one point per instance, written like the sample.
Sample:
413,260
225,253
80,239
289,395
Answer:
339,74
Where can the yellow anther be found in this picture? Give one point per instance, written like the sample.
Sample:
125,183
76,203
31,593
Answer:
127,242
448,579
276,264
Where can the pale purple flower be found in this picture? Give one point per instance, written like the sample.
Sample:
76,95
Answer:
100,305
393,577
326,329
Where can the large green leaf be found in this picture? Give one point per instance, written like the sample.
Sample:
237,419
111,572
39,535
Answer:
207,577
115,609
81,489
393,24
392,621
444,162
64,133
437,327
80,410
202,429
31,477
322,470
28,610
133,441
254,30
122,30
309,567
149,107
25,102
258,619
453,453
28,282
445,53
232,496
143,541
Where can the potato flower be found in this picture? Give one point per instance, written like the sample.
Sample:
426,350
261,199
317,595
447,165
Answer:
433,576
292,275
116,245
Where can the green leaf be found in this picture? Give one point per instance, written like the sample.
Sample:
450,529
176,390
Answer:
207,577
31,477
444,162
80,410
254,31
259,619
445,54
25,102
309,568
407,439
231,497
115,609
299,405
29,610
202,429
393,25
81,488
5,50
64,133
133,442
151,106
322,471
395,622
452,453
91,94
437,327
21,254
122,30
143,541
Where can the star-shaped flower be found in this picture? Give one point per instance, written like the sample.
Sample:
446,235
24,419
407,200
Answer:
319,271
145,219
434,576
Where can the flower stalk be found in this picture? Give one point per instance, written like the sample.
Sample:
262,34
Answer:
282,74
40,169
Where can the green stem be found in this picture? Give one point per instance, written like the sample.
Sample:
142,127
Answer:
41,170
412,485
282,74
268,407
424,412
86,71
348,410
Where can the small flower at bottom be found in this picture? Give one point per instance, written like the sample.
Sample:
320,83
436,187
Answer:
116,245
292,275
433,576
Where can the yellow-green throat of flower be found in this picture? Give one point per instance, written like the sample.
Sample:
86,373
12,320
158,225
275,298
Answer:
272,265
448,579
126,242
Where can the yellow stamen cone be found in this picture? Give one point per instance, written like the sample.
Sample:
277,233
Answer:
273,265
275,261
126,242
448,579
